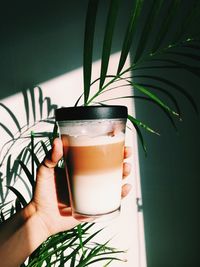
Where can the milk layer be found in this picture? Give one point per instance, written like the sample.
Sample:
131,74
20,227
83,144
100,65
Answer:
97,194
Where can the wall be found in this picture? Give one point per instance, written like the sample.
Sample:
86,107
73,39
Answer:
41,40
170,183
42,45
170,177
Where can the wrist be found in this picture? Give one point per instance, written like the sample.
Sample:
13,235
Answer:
24,231
30,213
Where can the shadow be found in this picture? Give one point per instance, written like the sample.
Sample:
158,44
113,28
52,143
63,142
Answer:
44,39
170,172
20,154
36,42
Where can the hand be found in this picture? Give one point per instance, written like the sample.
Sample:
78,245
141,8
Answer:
50,201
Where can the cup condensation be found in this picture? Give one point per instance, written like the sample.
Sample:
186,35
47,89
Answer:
93,145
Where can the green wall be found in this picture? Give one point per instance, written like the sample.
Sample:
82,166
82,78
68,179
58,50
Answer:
170,172
170,187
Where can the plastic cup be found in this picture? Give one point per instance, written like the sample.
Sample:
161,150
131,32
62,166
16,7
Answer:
93,148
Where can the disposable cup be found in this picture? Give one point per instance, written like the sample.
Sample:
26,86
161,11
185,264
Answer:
93,147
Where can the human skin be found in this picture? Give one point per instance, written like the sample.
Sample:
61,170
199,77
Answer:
48,212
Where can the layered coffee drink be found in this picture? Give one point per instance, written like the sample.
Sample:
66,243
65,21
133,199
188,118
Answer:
93,145
94,168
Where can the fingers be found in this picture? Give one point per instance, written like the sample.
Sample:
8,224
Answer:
127,166
127,152
55,154
125,190
126,169
51,160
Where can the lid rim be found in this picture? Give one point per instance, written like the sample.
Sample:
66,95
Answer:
91,113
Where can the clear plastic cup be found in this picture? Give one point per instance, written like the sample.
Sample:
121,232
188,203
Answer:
93,145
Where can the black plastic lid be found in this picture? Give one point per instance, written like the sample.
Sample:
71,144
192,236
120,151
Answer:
91,112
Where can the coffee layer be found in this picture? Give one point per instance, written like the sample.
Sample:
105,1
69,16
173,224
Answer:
94,159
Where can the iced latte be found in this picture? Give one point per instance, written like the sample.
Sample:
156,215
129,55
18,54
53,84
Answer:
93,145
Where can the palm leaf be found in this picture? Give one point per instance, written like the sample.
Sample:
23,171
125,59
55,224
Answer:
12,116
1,190
7,130
24,157
152,96
173,85
26,105
192,45
141,124
43,134
18,195
187,20
146,31
136,123
164,91
26,185
88,46
50,106
73,261
46,249
54,134
82,258
108,263
9,172
40,100
79,246
12,211
27,172
32,94
176,64
56,239
103,259
129,34
2,216
18,206
146,99
165,24
4,204
78,100
139,133
97,79
188,55
44,147
80,232
93,253
111,18
34,157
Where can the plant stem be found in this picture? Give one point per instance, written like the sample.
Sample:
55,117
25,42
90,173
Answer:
114,79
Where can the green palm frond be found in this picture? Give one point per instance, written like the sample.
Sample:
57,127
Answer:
166,50
88,46
107,42
130,31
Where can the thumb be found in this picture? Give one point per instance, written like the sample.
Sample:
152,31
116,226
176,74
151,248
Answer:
51,160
